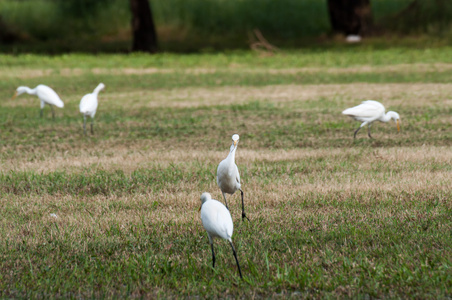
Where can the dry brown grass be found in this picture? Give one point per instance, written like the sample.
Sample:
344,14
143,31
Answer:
134,157
412,94
25,73
409,94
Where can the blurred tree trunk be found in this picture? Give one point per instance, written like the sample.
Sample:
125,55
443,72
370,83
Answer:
7,35
350,16
144,35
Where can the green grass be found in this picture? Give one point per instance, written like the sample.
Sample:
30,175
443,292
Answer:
345,56
331,217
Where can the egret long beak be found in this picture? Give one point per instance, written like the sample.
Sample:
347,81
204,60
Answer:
14,96
235,143
199,208
398,125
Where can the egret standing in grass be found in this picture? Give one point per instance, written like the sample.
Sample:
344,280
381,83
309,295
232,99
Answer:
88,106
217,221
228,177
370,111
45,94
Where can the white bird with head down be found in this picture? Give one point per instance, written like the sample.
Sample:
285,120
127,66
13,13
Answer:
88,106
228,177
217,221
45,94
370,111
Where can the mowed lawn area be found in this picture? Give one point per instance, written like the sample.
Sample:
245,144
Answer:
330,216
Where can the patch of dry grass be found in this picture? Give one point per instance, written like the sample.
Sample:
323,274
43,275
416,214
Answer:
410,94
134,157
24,73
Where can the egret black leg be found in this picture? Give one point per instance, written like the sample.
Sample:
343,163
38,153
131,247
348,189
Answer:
92,126
84,124
368,131
243,208
53,111
41,113
356,132
213,255
224,196
236,260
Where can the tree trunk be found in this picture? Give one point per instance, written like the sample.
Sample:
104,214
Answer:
7,36
350,16
144,36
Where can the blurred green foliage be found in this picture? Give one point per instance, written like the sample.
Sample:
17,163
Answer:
199,24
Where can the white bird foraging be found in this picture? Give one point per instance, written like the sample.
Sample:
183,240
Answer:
228,177
217,221
370,111
45,94
88,106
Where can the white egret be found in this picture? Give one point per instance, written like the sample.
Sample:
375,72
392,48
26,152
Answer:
88,106
228,177
45,94
370,111
217,221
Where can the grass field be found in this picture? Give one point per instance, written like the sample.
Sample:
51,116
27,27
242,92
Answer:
331,217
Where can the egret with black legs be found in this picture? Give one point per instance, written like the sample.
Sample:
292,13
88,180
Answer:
88,106
45,94
217,221
228,177
370,111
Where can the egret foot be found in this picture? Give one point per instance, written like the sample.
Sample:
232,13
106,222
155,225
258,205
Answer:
243,208
244,216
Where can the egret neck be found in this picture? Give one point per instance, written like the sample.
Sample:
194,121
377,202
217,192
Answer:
231,160
98,89
26,89
388,116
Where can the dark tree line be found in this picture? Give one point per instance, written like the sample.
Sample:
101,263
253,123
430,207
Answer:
143,28
350,16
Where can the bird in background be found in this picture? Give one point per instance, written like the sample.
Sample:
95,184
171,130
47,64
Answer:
45,94
370,111
217,221
88,106
228,177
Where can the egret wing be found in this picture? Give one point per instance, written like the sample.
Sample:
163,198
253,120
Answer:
366,111
237,177
216,219
48,95
226,227
88,104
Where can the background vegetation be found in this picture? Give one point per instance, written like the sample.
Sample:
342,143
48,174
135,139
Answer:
87,25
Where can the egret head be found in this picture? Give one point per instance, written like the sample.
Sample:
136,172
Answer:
19,90
235,139
205,197
396,117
